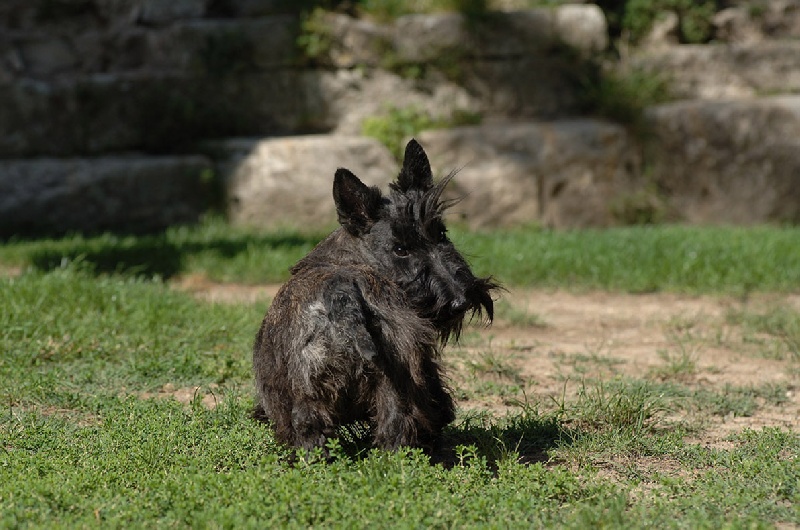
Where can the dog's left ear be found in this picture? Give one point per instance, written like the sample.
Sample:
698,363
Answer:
416,173
357,205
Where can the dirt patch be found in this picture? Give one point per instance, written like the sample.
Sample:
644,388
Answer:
545,344
208,396
689,340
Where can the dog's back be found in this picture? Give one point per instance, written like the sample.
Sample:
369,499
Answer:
355,334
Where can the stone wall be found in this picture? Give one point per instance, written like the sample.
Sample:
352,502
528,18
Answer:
106,97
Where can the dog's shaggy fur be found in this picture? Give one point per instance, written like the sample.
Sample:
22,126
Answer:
355,334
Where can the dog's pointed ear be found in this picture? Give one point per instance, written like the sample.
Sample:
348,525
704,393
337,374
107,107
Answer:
357,205
416,173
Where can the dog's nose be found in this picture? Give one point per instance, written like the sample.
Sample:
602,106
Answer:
459,304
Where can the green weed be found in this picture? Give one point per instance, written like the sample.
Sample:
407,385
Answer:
622,95
680,362
780,323
398,124
694,16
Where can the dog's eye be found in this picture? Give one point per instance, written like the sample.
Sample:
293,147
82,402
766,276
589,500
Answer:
400,251
443,235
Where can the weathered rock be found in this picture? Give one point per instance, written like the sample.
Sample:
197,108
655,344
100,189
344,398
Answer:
734,24
223,46
714,71
45,55
341,100
250,8
776,19
449,36
782,19
357,42
143,111
17,14
563,174
538,86
132,194
158,12
287,182
583,27
728,161
664,32
430,38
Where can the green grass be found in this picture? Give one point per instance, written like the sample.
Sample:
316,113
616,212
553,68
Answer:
90,333
212,248
642,259
633,259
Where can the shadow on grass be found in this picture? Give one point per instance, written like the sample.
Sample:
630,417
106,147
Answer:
159,255
527,438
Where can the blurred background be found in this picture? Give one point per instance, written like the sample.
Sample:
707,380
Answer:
136,115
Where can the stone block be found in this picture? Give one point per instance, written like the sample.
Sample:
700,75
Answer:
583,27
153,112
137,194
159,12
728,162
563,174
448,36
288,182
713,71
220,47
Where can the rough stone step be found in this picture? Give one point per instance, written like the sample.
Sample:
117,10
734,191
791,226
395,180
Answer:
87,14
196,46
288,182
714,71
101,113
564,174
733,162
132,193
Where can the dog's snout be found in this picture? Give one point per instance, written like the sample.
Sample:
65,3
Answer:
459,304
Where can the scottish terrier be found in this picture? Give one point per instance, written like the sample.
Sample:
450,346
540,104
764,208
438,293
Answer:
355,335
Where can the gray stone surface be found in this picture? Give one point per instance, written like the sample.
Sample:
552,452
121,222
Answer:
288,182
420,38
563,174
222,46
119,112
728,161
713,71
133,193
157,12
583,27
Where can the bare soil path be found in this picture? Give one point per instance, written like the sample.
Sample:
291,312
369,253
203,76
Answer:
548,342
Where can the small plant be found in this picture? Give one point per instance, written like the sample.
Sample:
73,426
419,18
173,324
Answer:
694,18
385,10
314,41
644,206
617,404
622,95
678,364
632,19
779,323
473,10
399,123
495,365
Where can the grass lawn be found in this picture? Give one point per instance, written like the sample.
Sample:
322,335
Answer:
124,402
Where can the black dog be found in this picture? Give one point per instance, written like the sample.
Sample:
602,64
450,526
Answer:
355,334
